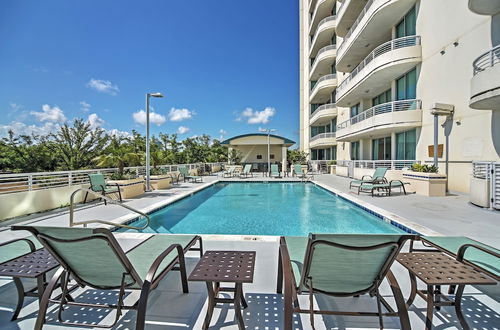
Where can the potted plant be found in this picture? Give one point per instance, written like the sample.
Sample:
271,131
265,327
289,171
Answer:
426,180
332,164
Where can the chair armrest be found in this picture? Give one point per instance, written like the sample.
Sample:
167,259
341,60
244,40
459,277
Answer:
369,176
31,245
154,266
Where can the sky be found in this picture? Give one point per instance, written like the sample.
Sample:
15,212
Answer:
225,67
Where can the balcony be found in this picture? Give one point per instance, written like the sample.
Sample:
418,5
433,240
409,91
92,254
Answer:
347,14
323,62
322,10
485,82
323,115
484,7
376,72
323,140
372,27
323,89
381,120
323,35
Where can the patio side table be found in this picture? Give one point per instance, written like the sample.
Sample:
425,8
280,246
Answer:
215,267
435,269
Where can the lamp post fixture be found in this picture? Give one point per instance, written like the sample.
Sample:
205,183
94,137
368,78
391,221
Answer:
268,131
148,166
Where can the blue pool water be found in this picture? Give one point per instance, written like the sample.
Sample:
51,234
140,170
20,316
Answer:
290,209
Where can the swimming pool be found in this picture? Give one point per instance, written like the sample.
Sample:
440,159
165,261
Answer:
290,209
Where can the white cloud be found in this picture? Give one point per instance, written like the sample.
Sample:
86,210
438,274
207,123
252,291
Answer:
85,107
222,132
154,118
117,133
183,130
54,114
14,106
103,86
20,128
95,121
180,114
257,117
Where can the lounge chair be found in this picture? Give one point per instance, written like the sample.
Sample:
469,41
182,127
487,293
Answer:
229,172
184,172
377,177
297,170
98,184
343,265
93,258
247,171
275,171
383,187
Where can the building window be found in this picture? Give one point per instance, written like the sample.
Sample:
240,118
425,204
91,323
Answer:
406,86
382,98
334,153
355,110
333,97
406,144
271,156
381,148
355,150
407,26
314,106
314,154
259,156
334,125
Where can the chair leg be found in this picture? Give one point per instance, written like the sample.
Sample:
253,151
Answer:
20,297
85,199
458,307
44,303
142,306
404,319
279,280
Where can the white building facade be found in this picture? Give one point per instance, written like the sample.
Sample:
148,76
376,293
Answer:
372,71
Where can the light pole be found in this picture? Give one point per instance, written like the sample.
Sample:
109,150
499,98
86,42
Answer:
268,131
148,166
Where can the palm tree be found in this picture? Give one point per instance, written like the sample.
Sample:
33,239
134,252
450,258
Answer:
118,156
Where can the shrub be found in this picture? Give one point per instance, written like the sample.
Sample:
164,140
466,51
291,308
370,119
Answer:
424,168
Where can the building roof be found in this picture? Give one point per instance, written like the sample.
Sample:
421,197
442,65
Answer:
285,140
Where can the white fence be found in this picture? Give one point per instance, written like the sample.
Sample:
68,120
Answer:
18,182
489,171
372,164
487,60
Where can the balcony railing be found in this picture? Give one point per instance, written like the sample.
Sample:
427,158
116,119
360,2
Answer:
323,107
323,136
315,13
355,24
394,106
373,164
322,50
486,60
380,50
323,21
342,6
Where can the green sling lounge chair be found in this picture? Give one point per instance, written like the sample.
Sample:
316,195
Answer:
385,188
297,170
377,177
98,184
275,171
93,258
247,171
229,172
342,265
184,172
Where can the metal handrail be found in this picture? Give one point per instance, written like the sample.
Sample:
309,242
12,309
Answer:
339,10
323,107
384,48
322,50
487,60
323,136
109,200
372,164
324,20
355,24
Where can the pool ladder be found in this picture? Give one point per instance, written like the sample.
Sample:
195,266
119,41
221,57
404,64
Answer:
72,222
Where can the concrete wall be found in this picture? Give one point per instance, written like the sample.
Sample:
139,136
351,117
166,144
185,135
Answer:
249,153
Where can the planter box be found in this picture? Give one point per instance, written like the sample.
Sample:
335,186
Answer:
480,192
130,188
158,182
426,184
332,169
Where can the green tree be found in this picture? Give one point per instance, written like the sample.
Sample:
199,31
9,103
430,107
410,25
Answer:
296,156
118,154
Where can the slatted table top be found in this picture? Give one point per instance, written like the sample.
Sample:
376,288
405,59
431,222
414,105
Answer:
436,268
225,266
29,265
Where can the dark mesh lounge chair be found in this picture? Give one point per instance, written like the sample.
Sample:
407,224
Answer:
340,265
98,184
93,257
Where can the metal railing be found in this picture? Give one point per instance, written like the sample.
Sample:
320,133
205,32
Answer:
356,23
315,12
323,136
322,50
325,77
323,21
380,50
373,164
486,60
19,182
489,171
394,106
342,6
324,107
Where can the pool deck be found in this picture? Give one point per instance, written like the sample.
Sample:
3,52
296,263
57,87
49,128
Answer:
168,308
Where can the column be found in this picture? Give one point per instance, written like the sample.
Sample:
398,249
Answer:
284,160
393,148
229,151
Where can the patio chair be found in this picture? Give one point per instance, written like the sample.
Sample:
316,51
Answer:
98,184
342,265
377,177
93,258
383,187
229,172
297,170
247,171
184,172
275,171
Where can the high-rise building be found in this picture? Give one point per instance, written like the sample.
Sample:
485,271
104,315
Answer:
375,72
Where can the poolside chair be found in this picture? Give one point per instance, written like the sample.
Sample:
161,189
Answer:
93,258
343,265
385,187
247,171
377,177
229,172
275,171
98,184
297,170
184,172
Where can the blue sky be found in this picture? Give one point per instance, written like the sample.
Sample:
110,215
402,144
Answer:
224,65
